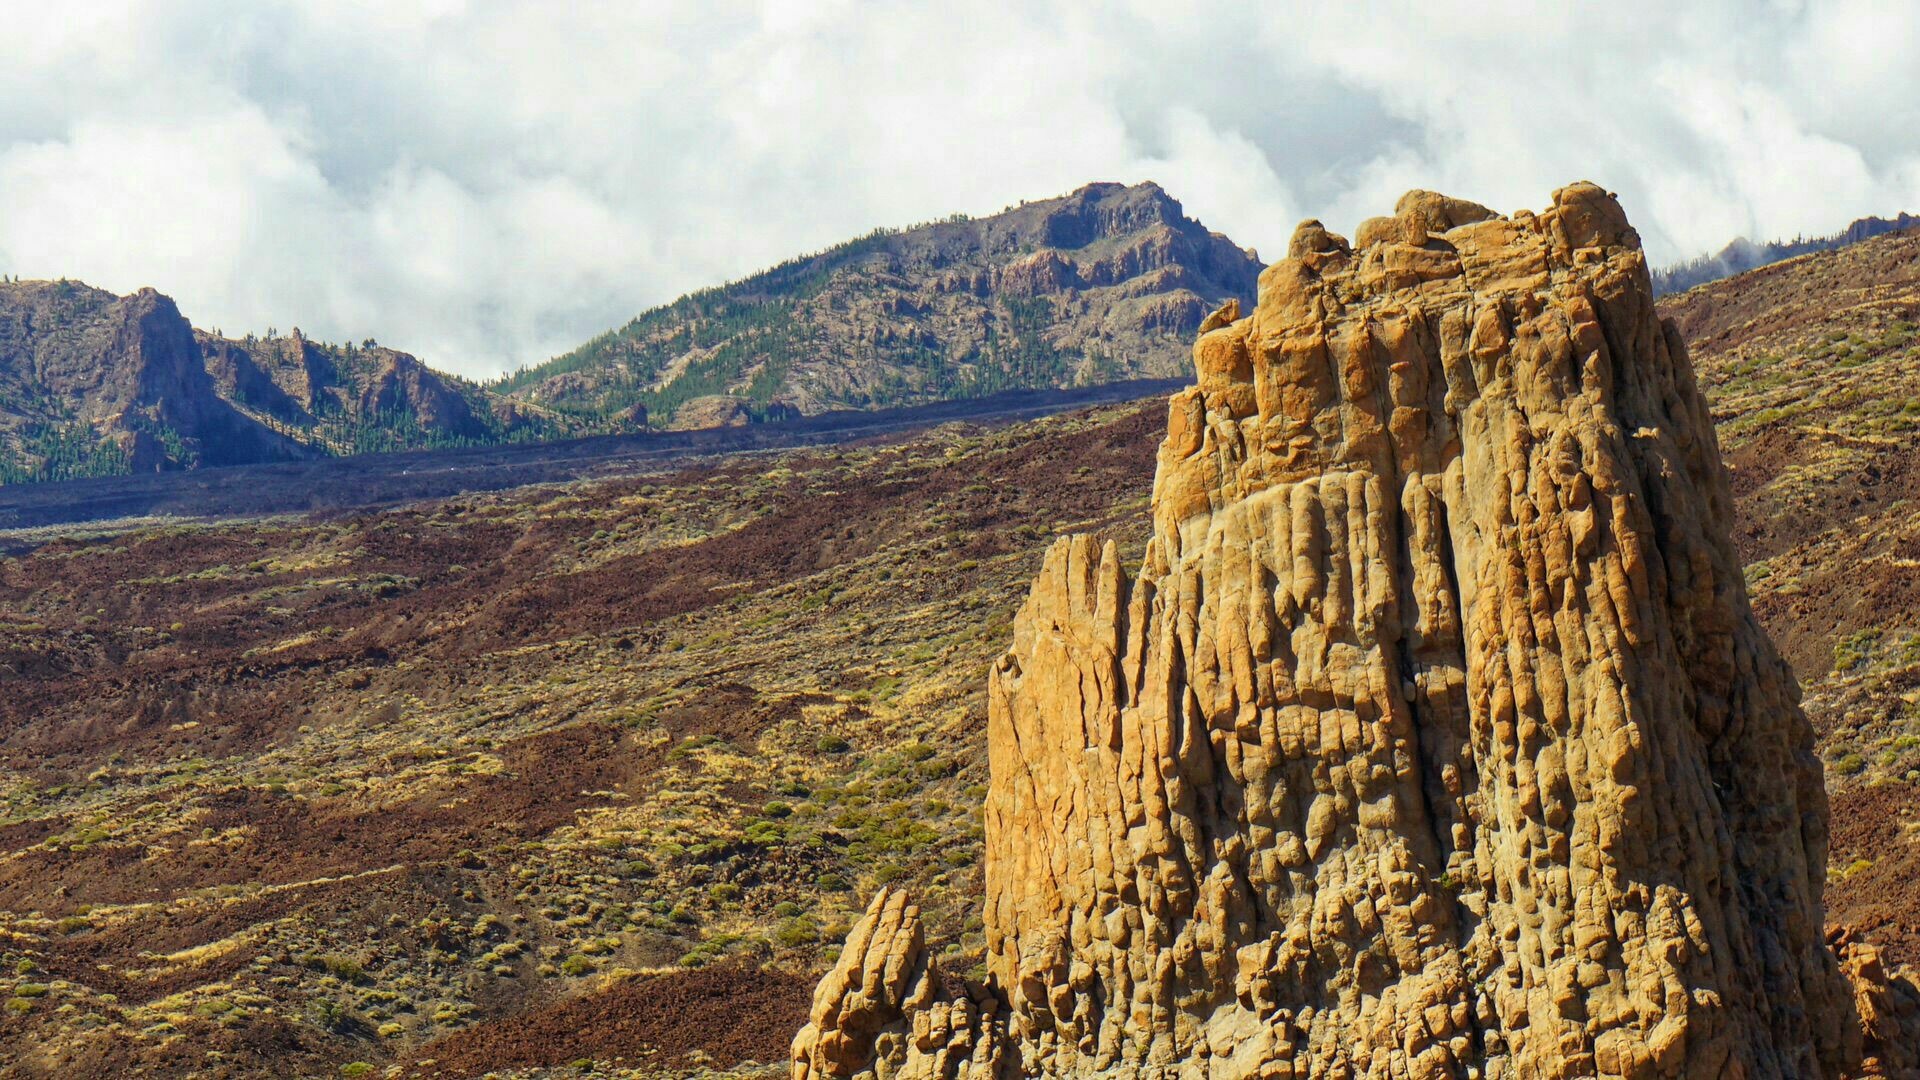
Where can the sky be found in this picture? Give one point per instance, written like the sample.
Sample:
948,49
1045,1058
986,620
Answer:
487,184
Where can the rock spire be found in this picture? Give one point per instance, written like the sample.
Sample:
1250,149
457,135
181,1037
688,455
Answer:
1434,737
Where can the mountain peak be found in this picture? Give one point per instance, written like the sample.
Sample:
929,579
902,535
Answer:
1107,281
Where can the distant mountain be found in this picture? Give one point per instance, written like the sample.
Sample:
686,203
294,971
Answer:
95,384
1743,255
356,399
1108,282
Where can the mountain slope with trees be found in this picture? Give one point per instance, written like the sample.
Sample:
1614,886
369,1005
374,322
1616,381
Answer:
1106,283
94,384
1743,254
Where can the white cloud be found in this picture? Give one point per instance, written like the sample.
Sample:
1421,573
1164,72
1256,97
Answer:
489,183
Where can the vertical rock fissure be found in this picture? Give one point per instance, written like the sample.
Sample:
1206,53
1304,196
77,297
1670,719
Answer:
1466,918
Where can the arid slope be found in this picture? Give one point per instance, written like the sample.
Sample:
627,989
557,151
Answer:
397,786
1812,367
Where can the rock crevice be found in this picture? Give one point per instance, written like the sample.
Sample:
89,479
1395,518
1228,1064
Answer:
1434,737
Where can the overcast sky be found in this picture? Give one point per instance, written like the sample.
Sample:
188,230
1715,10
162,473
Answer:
488,183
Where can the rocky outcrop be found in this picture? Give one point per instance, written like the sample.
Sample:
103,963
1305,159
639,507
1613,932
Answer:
1434,737
886,1007
96,384
712,411
83,370
402,385
306,383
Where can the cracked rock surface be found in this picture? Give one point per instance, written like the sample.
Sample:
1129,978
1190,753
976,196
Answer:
1434,737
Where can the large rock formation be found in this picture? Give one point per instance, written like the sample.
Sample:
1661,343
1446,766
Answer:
1434,737
306,383
113,383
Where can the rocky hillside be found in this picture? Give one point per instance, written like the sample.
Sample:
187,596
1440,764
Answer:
1743,255
1434,736
355,399
1104,284
1108,282
94,384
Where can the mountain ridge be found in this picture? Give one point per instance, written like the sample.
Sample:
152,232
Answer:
1742,254
95,384
1104,282
1101,285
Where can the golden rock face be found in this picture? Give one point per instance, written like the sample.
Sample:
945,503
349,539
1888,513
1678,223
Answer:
1434,738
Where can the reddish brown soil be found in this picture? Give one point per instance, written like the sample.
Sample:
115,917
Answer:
328,837
730,1013
267,1046
1881,826
83,689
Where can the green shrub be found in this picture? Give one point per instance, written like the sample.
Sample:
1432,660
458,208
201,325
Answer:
355,1068
332,1015
344,968
1854,650
795,932
765,833
576,965
832,744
